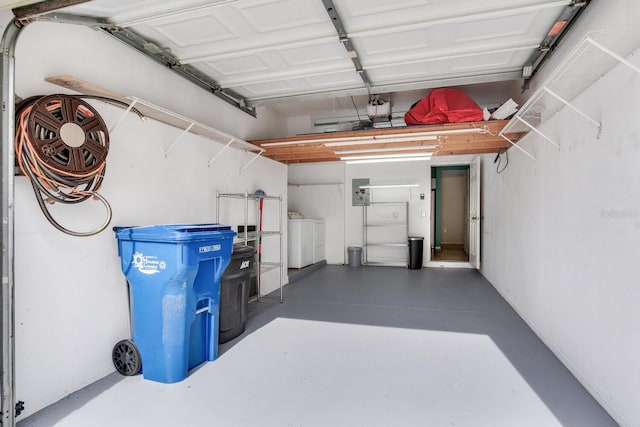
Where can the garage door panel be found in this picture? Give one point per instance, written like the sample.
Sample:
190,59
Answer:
439,69
324,53
490,62
348,79
227,68
288,47
275,15
532,24
194,31
417,40
121,8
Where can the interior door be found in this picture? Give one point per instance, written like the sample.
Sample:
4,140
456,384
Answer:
474,213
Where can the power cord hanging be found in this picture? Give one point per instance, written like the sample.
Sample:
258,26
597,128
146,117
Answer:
498,160
61,145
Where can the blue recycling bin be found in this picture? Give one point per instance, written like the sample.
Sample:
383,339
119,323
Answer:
174,274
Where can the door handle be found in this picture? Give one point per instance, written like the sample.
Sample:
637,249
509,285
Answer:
475,218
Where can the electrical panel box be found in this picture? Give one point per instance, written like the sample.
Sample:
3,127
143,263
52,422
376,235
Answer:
359,195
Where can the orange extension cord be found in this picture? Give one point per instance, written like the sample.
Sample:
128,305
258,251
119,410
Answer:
53,184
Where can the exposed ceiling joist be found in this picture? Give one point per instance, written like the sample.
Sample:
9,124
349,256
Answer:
436,140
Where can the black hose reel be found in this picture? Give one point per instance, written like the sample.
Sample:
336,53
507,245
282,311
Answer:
61,146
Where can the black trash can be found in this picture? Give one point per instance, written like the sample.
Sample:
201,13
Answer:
415,252
234,292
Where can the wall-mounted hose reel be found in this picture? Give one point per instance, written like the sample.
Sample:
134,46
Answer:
61,145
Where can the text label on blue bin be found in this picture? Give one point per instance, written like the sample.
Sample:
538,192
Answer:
147,264
212,248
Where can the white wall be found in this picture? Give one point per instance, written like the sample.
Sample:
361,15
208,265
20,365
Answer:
71,298
561,234
417,172
332,201
317,191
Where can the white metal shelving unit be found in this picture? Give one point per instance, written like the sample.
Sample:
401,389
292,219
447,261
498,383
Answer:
246,236
399,225
597,53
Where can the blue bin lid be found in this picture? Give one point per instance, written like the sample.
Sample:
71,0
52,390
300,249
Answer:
175,232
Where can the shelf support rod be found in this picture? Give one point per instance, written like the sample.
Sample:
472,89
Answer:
280,238
172,146
213,159
251,161
570,105
518,147
533,128
129,108
613,54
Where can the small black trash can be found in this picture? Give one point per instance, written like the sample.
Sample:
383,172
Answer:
415,252
234,292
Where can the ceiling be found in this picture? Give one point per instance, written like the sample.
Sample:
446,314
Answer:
273,50
269,52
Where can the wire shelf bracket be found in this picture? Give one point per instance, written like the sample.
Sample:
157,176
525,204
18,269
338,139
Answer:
172,146
251,161
592,58
156,112
213,159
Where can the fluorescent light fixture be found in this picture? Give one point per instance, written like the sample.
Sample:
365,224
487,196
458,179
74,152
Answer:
359,140
381,140
387,156
330,141
382,150
400,159
391,186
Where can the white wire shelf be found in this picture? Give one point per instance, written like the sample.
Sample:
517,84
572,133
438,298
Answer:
269,233
251,237
247,196
161,114
268,266
595,55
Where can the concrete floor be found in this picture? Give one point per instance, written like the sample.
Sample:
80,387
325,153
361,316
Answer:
370,346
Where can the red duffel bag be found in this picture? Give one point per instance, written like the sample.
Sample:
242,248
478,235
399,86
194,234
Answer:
443,105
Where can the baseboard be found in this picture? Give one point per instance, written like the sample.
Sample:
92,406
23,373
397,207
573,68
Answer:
593,390
306,271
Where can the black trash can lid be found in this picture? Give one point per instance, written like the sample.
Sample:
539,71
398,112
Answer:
240,249
416,238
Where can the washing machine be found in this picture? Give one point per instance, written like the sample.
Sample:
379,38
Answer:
300,242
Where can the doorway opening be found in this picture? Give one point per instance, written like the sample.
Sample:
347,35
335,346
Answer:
450,225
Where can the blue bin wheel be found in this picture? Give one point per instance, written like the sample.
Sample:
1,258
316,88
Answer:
126,358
